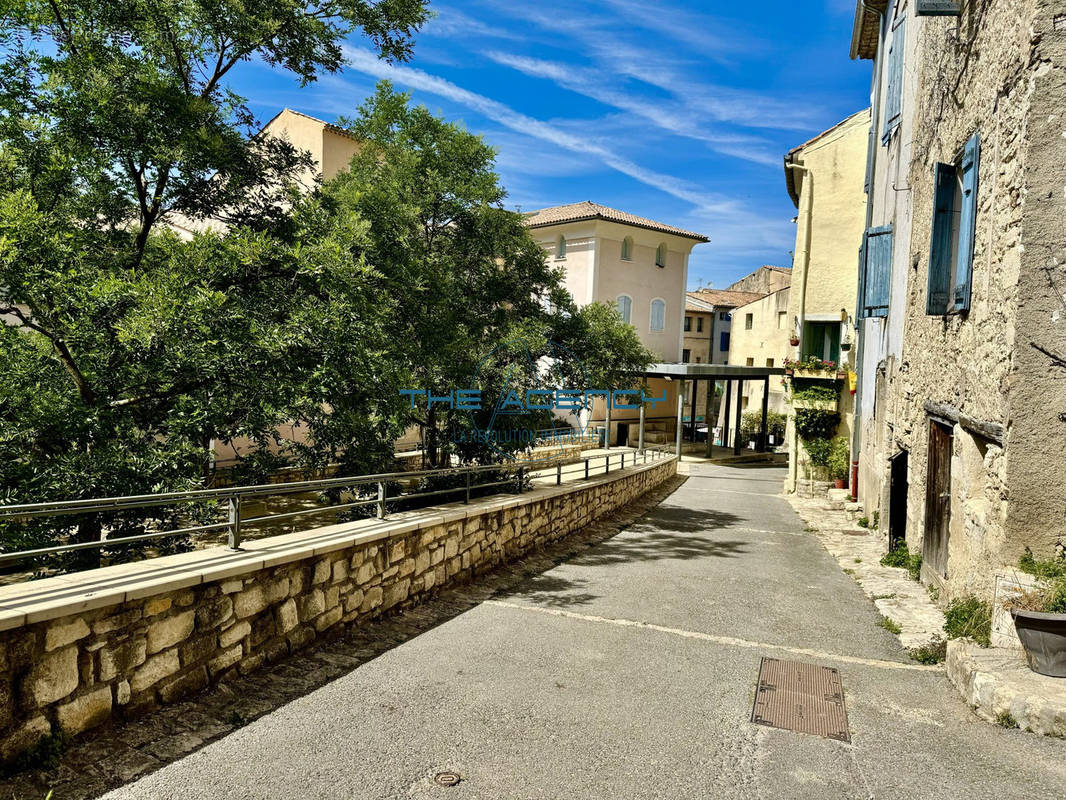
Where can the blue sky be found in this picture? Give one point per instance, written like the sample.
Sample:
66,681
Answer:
670,110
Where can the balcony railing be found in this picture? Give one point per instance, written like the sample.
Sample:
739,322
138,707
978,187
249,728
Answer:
377,491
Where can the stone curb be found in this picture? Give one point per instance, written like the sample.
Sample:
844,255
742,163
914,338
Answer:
999,686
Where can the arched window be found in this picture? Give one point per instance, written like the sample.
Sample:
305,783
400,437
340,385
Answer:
560,247
658,315
627,249
625,307
660,255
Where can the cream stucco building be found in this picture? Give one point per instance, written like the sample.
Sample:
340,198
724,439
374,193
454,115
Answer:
825,178
634,263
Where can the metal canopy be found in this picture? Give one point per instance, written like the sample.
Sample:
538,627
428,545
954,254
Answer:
714,372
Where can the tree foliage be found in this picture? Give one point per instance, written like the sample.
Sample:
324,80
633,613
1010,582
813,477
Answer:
473,293
129,348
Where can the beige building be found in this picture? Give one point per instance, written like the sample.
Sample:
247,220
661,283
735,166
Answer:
825,178
637,264
979,397
760,338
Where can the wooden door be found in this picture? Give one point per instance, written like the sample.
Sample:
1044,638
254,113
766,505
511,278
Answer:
938,499
897,500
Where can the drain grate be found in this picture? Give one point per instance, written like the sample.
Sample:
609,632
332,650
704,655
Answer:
801,697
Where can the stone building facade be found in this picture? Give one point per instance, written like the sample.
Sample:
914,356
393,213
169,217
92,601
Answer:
980,389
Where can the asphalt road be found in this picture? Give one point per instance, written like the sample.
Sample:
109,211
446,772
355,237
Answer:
629,672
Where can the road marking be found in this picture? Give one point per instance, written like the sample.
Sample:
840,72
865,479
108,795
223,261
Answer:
728,641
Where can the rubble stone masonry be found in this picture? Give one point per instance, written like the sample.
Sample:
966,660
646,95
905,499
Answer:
76,659
999,69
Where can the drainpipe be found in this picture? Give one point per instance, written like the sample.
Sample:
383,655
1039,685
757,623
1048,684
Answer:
803,257
860,349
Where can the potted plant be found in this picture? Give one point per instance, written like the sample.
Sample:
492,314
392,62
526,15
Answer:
1040,617
839,462
794,341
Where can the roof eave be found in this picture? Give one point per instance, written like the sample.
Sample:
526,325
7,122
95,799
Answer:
698,237
866,30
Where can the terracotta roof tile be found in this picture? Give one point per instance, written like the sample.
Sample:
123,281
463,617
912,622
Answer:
575,212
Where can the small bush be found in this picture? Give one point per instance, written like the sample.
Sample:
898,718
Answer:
45,755
891,625
969,617
1051,568
812,423
933,653
1006,720
839,459
900,556
864,522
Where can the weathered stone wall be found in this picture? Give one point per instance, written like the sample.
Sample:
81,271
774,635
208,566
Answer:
996,70
79,669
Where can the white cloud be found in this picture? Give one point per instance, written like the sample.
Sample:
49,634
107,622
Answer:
367,62
666,114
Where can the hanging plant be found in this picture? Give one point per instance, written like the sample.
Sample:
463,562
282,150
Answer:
816,423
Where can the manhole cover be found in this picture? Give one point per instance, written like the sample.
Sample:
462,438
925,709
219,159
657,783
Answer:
446,778
801,697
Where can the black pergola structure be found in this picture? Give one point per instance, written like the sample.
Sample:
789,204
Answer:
713,373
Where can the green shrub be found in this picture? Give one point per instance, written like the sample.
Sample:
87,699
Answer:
817,391
818,451
890,625
969,617
900,556
933,653
839,458
814,423
1052,568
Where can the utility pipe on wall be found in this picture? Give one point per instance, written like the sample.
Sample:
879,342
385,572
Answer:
803,257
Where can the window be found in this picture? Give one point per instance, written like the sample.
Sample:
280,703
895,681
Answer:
894,90
688,324
625,307
782,320
954,228
821,340
723,344
658,315
686,355
560,247
724,316
660,256
769,362
697,359
699,324
749,321
750,362
627,249
875,272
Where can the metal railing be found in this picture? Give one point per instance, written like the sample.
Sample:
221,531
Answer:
377,486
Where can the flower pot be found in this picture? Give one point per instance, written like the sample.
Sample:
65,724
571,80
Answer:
840,483
794,342
790,372
1044,638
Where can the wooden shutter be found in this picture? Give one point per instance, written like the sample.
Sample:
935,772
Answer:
894,90
936,295
971,158
876,272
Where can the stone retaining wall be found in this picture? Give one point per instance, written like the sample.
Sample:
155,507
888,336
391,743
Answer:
88,662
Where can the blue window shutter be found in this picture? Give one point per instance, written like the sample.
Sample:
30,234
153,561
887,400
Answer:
894,90
876,272
971,159
936,296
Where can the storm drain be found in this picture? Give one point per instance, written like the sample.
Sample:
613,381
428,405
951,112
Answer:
801,697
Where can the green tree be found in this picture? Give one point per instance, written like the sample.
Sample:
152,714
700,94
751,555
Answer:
472,290
135,347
